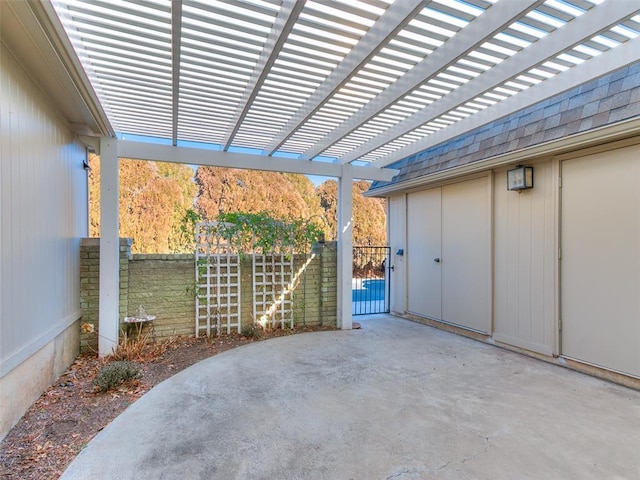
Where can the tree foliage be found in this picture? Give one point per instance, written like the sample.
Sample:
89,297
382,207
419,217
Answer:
369,218
262,233
307,191
154,198
161,202
224,190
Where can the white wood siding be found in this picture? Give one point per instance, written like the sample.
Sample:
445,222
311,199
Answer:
43,214
525,259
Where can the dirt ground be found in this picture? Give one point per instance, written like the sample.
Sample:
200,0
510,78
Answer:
70,412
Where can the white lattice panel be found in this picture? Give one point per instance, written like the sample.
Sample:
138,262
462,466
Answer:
273,278
217,283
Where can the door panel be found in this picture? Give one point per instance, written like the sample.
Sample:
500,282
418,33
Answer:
423,246
397,228
600,265
466,254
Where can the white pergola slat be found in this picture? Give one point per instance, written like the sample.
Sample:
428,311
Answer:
607,62
483,27
176,48
396,17
428,70
559,41
348,80
287,16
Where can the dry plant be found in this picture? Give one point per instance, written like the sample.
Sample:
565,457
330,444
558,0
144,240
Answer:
140,347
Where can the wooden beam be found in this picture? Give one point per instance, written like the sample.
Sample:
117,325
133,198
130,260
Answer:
483,27
246,161
590,23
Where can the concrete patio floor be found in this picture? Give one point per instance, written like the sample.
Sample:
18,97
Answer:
395,400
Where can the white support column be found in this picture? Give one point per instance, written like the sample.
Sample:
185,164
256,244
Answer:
108,312
345,247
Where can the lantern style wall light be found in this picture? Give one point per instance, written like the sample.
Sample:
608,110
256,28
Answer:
520,178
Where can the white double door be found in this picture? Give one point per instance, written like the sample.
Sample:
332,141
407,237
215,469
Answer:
449,254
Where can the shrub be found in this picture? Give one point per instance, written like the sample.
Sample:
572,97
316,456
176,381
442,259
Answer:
114,373
252,331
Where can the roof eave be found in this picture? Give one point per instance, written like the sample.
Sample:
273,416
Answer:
609,133
33,31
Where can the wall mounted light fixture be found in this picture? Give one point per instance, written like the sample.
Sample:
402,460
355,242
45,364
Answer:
520,178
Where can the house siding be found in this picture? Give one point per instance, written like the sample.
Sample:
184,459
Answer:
534,273
43,214
524,262
526,228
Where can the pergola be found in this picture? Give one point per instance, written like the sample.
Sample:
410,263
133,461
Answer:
341,88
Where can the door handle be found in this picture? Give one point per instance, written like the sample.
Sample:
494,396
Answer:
437,260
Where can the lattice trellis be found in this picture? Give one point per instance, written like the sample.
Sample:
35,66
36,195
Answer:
217,283
273,277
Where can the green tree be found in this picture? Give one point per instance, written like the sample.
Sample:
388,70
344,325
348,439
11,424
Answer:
327,192
260,232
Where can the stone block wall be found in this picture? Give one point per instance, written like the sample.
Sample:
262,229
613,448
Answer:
164,286
314,293
160,284
328,287
307,300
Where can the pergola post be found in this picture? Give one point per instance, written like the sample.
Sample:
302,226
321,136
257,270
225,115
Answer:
345,247
108,311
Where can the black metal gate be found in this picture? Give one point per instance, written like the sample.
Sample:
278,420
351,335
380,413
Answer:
370,288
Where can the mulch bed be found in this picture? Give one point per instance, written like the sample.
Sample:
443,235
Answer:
70,412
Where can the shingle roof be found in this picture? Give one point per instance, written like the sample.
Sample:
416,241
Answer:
610,99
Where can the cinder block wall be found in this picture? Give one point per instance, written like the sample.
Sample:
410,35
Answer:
164,286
